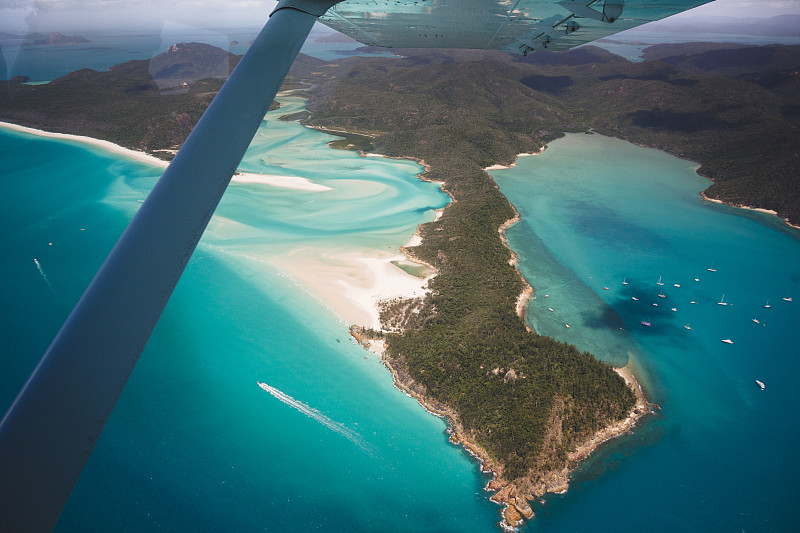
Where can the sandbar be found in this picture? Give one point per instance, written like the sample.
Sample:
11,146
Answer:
285,182
351,281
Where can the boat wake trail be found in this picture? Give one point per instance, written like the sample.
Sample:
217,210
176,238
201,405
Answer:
310,412
44,276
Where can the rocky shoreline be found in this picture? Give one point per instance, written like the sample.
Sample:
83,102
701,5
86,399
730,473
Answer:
514,495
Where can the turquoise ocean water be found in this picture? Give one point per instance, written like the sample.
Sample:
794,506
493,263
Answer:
195,444
598,213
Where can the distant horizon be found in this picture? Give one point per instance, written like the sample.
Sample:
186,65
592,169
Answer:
71,16
319,28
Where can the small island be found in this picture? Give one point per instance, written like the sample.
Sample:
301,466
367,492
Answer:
54,38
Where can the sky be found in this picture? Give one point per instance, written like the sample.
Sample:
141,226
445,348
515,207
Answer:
75,15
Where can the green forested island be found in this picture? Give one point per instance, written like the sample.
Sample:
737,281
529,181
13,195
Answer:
524,401
732,108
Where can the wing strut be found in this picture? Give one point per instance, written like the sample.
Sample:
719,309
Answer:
51,428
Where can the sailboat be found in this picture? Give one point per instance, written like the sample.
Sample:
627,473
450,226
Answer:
767,306
659,281
711,268
722,301
625,281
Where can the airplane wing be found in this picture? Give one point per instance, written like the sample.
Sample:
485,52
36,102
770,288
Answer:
517,26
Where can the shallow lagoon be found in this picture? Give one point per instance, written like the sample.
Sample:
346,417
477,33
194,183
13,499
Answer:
598,212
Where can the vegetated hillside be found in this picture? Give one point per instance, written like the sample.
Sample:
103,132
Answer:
740,118
183,64
528,400
734,109
460,112
147,105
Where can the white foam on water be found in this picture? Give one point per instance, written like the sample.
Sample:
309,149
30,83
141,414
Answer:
44,276
310,412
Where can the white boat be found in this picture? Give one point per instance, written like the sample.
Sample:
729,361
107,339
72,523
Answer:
767,306
722,301
692,302
645,323
661,295
787,299
687,326
550,309
674,309
727,341
677,285
711,268
567,325
625,281
634,298
756,321
760,384
659,281
697,279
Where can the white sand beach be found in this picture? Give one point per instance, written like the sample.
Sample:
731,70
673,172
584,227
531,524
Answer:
350,281
106,145
285,182
501,167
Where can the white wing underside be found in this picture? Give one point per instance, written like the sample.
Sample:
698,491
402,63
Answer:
517,26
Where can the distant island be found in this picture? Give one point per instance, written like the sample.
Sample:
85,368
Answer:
530,407
334,38
53,38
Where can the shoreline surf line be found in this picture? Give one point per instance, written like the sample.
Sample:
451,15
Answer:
142,157
785,220
284,182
